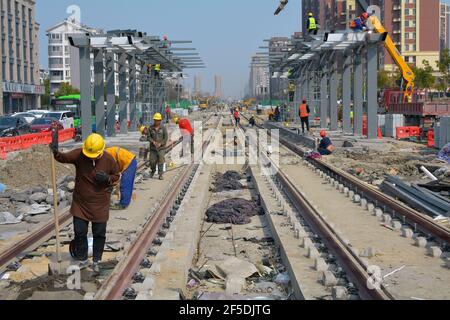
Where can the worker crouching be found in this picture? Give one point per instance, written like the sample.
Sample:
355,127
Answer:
96,174
158,137
128,167
326,147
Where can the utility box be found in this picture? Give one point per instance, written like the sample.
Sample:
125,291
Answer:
444,132
392,122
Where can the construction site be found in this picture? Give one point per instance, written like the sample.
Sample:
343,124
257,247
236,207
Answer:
323,187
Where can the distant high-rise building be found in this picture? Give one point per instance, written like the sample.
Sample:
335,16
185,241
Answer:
445,26
20,89
197,86
259,78
413,24
218,87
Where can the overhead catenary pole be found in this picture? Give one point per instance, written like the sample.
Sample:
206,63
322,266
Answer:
358,94
334,79
123,110
99,92
132,81
85,91
372,101
110,96
347,94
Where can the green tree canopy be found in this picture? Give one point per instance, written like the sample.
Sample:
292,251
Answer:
66,90
424,76
45,99
444,68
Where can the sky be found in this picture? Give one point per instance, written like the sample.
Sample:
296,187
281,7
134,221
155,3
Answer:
225,32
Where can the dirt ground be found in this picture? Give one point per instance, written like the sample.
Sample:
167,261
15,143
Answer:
402,159
30,168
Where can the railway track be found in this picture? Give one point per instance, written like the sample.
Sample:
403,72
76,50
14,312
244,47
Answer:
357,270
18,250
118,285
418,221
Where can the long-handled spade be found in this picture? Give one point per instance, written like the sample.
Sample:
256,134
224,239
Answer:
55,137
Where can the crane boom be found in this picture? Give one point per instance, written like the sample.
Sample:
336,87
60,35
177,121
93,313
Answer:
407,73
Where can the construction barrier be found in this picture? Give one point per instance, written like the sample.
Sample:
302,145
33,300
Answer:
430,138
408,132
24,142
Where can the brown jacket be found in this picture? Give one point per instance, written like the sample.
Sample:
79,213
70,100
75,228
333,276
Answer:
91,199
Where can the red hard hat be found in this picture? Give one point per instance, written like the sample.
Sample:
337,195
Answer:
365,15
323,133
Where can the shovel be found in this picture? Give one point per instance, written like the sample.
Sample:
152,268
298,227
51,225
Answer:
55,138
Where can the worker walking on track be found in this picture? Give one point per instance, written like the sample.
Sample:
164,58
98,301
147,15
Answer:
158,137
236,117
127,166
304,115
311,24
187,133
96,174
168,113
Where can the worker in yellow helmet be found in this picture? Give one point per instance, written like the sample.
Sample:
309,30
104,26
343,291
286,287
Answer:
128,167
311,24
157,70
96,173
158,137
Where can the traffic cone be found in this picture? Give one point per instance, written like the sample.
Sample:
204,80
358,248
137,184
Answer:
380,135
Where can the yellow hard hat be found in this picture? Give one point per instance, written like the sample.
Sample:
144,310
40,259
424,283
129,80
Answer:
176,120
310,14
142,129
94,146
158,117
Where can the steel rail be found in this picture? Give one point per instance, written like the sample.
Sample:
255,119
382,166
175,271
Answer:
355,269
410,215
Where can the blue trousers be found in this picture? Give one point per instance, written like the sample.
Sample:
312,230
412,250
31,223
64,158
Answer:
127,184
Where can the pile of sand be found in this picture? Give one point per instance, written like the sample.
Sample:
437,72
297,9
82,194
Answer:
30,168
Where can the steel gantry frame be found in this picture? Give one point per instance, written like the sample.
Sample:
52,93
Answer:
325,61
139,87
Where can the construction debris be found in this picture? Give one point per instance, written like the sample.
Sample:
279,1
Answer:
235,211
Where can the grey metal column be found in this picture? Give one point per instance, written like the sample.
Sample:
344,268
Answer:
372,89
347,94
99,92
110,95
133,111
85,91
334,79
311,89
123,114
358,88
324,98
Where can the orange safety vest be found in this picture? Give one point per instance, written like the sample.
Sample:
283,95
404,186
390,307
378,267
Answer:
303,111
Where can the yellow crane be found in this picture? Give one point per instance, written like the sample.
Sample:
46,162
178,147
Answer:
406,71
407,74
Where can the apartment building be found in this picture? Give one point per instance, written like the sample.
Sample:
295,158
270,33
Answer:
444,26
414,25
63,59
20,89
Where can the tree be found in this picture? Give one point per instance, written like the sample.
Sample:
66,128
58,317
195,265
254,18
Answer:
424,76
384,79
389,79
444,67
66,90
45,99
